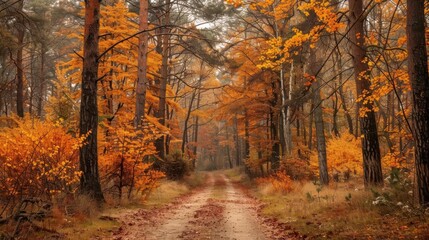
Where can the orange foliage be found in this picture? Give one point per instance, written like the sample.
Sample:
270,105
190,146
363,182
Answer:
280,181
123,150
39,159
344,154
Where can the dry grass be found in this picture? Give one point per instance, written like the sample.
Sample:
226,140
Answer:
341,211
84,220
165,193
237,175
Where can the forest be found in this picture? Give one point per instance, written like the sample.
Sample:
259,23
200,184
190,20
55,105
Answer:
214,119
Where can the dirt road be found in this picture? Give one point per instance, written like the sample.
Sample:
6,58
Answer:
220,210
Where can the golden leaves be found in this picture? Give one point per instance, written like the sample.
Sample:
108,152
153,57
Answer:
235,3
345,154
280,181
39,158
325,14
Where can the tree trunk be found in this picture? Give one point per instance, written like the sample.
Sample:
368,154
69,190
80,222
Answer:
310,126
419,78
185,127
320,136
142,64
228,150
246,135
160,143
89,181
237,143
19,64
335,114
195,139
368,125
275,149
315,64
288,131
42,81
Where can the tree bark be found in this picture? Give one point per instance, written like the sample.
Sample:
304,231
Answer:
315,64
195,138
237,143
160,143
89,181
320,136
42,82
19,64
368,125
228,150
246,135
185,127
310,126
142,64
419,78
288,131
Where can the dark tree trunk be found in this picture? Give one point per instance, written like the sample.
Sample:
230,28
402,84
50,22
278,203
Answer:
275,149
42,82
19,65
89,181
195,138
419,78
310,126
228,149
246,135
274,126
368,125
160,143
185,127
142,64
237,143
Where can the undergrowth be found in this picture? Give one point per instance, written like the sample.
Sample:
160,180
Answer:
346,210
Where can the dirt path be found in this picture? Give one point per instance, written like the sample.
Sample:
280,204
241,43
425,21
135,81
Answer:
220,210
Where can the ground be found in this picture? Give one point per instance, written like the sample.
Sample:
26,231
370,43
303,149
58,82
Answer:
227,205
218,210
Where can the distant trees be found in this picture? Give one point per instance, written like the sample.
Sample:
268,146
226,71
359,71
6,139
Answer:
281,85
318,92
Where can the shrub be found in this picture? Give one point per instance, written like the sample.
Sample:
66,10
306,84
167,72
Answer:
280,181
344,153
122,166
38,159
296,168
174,166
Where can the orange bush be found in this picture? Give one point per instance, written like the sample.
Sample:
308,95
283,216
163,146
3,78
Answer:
38,159
344,155
280,181
123,150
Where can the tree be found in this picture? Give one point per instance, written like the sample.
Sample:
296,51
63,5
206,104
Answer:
164,40
88,125
419,78
19,64
368,125
142,63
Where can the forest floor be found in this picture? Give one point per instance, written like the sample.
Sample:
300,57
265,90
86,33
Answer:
220,209
227,205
